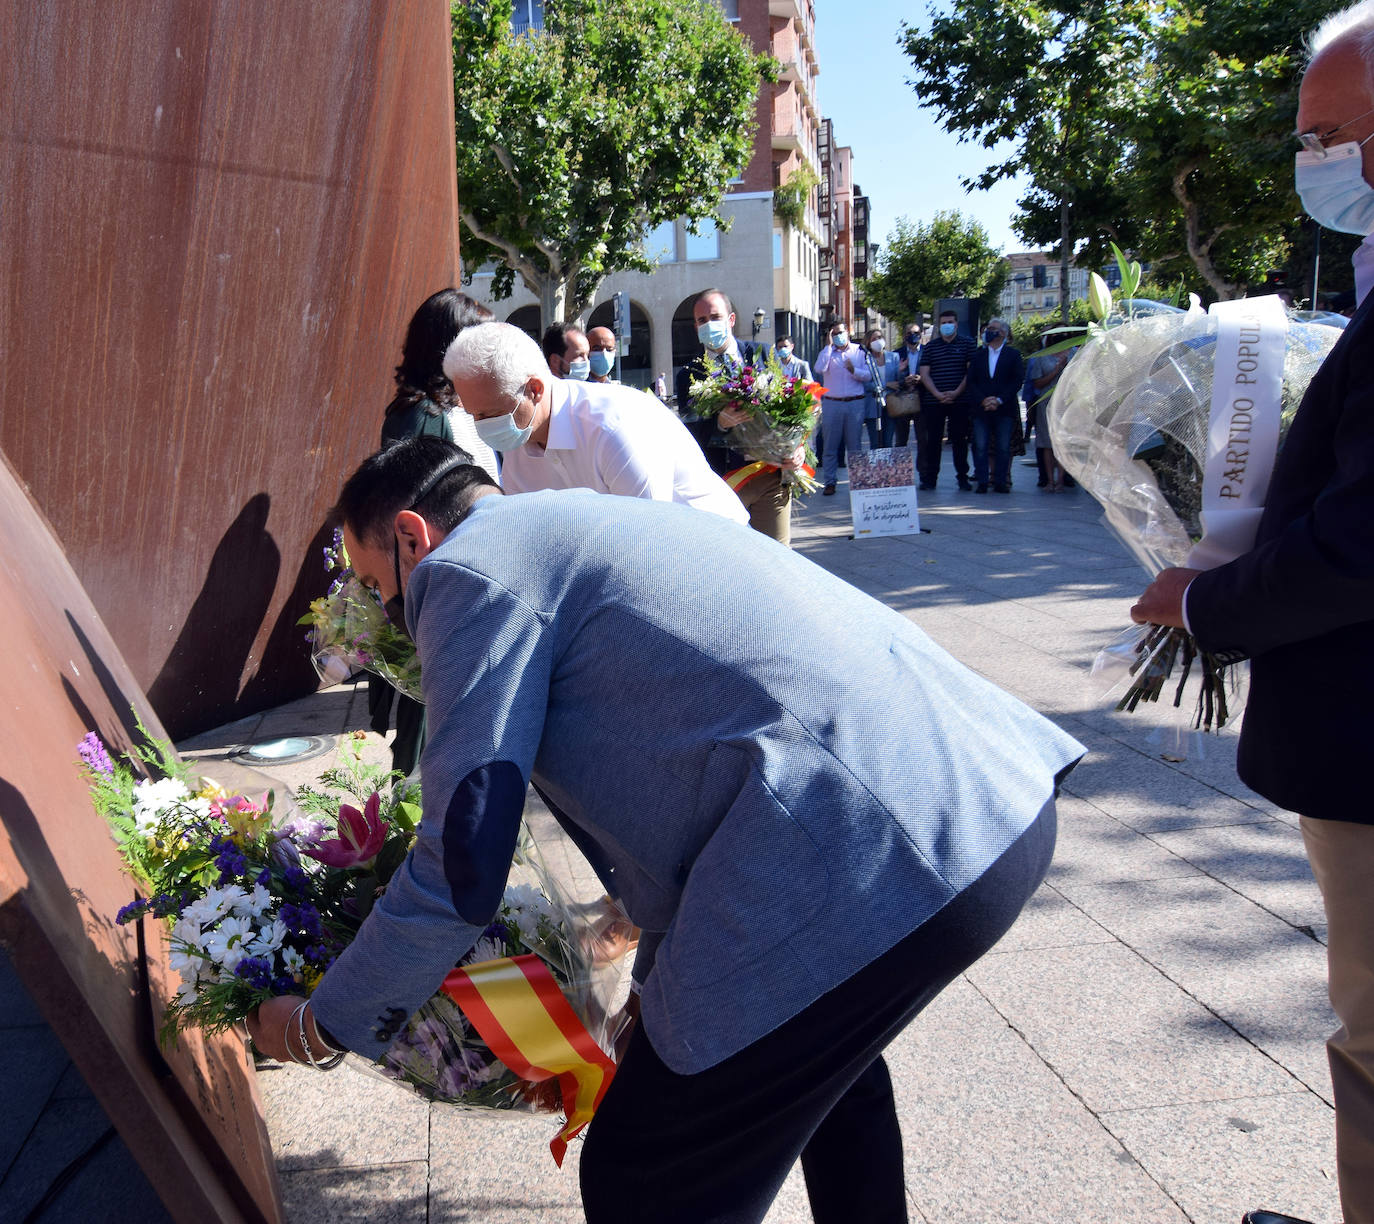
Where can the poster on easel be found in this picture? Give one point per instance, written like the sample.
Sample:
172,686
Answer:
882,492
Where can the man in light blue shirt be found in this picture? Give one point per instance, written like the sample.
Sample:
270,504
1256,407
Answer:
805,884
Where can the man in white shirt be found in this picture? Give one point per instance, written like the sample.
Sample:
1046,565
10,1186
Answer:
843,369
557,434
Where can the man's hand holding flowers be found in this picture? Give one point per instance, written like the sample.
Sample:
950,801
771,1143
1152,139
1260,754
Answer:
1162,602
274,1028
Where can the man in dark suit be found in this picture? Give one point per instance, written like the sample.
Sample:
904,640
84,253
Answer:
995,376
1300,605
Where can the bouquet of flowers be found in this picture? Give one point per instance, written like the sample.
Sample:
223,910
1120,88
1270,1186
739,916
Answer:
349,629
259,906
782,411
1171,420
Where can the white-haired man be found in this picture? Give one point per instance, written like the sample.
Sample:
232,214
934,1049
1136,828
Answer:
1300,604
556,434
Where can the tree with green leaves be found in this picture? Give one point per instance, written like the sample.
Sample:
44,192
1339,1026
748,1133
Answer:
1160,125
948,257
574,141
1048,77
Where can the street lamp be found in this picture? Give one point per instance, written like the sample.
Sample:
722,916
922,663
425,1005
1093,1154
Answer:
759,315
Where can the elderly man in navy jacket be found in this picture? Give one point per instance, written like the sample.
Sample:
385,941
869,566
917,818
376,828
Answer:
995,376
804,889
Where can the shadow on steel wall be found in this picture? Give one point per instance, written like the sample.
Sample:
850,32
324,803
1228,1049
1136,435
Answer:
219,218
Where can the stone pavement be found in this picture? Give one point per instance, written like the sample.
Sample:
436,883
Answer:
1144,1046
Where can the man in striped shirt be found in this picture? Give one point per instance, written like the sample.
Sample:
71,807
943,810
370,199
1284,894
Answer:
944,376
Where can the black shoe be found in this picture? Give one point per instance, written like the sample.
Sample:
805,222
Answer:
1002,489
1270,1217
964,485
1042,484
926,486
828,491
981,488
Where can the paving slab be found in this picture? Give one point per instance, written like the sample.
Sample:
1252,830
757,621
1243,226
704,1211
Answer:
375,1193
1118,1032
1220,1159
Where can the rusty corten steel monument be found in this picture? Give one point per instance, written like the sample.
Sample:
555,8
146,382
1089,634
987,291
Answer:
216,219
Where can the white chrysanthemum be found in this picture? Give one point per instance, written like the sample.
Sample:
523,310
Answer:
187,994
213,905
269,938
252,905
188,965
525,905
293,961
487,949
227,944
153,799
187,930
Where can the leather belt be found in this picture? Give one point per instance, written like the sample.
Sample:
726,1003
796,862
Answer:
842,399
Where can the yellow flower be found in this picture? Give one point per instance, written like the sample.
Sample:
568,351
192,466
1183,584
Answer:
311,978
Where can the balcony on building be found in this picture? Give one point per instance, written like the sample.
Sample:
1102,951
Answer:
528,16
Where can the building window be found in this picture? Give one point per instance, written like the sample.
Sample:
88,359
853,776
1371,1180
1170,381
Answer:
730,8
705,245
777,248
660,243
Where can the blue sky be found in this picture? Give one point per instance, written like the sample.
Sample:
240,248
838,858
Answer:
906,163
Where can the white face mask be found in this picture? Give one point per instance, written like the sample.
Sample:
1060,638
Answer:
878,345
840,339
1333,188
579,368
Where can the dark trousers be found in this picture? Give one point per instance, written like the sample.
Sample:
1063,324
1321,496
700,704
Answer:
716,1146
932,421
992,431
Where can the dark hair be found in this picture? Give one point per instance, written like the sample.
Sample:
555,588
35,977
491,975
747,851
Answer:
720,293
432,328
556,338
783,339
396,478
953,314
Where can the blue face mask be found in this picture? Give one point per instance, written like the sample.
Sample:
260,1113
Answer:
1333,190
785,353
602,362
579,369
947,330
502,433
714,333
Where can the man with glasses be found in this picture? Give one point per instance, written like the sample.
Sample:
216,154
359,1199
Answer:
1300,604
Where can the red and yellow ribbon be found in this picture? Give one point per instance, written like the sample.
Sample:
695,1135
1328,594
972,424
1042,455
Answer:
519,1011
743,475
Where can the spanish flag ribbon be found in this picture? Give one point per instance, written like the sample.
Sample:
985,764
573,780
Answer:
743,475
519,1011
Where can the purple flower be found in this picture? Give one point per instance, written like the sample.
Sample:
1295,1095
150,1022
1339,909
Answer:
294,879
93,755
256,971
128,913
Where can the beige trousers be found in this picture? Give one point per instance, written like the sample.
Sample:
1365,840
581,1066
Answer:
1342,858
769,503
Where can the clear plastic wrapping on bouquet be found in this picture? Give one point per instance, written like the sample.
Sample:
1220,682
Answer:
556,910
350,630
1130,418
761,440
1130,414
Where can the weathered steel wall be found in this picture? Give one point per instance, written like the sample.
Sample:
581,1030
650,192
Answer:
190,1114
215,221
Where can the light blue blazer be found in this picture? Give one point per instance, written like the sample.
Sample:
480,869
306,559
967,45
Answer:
775,801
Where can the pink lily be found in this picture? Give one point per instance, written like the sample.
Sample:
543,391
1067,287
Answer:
361,835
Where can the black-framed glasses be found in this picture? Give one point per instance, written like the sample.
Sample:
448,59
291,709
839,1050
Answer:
1315,142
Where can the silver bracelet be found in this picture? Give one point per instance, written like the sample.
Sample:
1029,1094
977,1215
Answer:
327,1064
